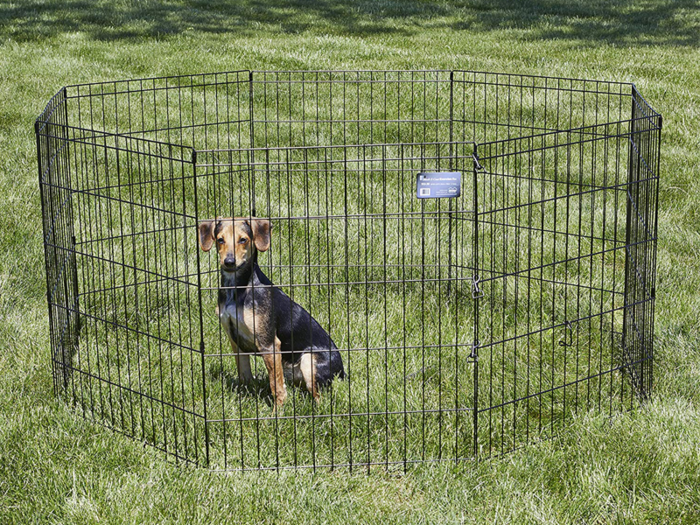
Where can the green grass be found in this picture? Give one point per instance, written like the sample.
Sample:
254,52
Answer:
638,467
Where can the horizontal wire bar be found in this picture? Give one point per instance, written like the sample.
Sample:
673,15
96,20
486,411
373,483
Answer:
181,127
383,145
341,415
133,184
444,215
127,138
502,275
442,346
346,283
559,387
571,235
359,464
123,201
124,265
564,324
121,236
563,261
74,370
578,130
163,448
128,328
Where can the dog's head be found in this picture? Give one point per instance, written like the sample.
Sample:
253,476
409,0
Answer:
237,240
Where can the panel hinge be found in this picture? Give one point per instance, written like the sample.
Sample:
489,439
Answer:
477,164
477,293
570,329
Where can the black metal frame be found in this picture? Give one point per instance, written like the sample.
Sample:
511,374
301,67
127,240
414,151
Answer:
469,326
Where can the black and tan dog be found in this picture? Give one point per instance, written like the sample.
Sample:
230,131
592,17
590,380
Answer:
259,318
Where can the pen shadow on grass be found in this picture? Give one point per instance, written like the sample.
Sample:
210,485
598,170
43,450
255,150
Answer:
585,23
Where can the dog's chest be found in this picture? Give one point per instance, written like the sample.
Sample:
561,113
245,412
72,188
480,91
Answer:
239,324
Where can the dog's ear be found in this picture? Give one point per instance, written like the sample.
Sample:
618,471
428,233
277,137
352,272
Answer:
206,235
261,234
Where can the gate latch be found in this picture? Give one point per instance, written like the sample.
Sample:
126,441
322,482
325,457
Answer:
476,344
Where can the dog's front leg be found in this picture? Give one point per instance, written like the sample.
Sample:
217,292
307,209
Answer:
245,376
273,363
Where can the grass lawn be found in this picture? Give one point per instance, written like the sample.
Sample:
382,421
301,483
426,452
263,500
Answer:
642,466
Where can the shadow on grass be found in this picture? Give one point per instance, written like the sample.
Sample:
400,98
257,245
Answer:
664,22
229,382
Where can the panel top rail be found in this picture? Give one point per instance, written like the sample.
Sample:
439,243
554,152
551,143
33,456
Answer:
252,72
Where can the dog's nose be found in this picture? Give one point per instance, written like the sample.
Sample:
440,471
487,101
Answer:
229,262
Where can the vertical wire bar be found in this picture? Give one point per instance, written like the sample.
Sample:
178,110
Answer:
111,258
386,335
330,278
555,322
604,241
202,347
422,315
456,279
307,250
531,227
346,258
616,213
290,213
517,322
543,193
144,174
494,207
75,326
628,313
124,262
131,158
648,248
476,264
591,225
162,256
656,162
94,261
84,362
123,201
438,238
44,189
151,177
402,252
651,258
366,290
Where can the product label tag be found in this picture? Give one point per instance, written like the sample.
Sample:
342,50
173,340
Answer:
438,185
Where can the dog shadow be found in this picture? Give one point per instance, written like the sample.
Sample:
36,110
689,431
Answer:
259,387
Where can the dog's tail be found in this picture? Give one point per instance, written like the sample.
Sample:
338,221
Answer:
336,362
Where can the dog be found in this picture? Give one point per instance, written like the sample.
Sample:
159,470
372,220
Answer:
259,318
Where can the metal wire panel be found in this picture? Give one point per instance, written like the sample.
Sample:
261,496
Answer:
468,326
394,308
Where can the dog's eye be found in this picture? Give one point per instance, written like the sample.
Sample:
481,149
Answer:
220,240
242,240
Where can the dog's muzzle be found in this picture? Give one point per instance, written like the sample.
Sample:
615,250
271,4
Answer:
229,264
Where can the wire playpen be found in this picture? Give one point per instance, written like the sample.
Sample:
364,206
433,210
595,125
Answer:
480,247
